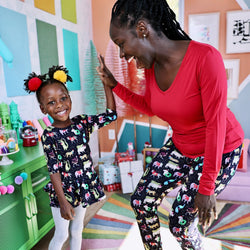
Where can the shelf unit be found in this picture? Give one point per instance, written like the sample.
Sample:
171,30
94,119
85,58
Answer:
25,215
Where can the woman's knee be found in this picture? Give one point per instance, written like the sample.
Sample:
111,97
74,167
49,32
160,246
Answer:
175,228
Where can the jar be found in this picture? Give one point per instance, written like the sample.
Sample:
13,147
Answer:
8,141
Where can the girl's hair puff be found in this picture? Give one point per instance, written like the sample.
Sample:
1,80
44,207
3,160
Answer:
35,83
126,13
59,73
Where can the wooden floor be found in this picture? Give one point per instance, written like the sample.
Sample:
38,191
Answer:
91,211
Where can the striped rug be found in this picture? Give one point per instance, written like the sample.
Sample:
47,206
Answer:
114,226
232,226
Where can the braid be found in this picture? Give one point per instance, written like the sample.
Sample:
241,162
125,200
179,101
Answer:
157,12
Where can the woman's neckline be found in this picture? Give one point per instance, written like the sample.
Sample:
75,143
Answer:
178,73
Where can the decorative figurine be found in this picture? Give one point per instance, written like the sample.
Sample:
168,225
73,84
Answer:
16,121
5,116
29,136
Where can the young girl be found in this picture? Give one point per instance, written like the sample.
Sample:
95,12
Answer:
74,183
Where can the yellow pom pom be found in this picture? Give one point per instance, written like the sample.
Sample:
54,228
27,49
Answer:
60,75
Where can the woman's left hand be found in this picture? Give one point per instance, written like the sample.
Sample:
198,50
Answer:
105,74
205,204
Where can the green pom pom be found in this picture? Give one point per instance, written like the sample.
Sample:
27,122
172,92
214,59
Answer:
148,159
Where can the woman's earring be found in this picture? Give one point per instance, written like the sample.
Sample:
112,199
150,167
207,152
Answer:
144,35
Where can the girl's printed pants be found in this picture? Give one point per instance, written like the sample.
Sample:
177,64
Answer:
170,169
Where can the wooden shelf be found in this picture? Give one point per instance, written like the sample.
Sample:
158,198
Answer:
145,150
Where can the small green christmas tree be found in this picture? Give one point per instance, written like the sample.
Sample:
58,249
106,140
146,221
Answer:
94,95
15,119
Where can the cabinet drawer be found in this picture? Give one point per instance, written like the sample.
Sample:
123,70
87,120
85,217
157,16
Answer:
39,178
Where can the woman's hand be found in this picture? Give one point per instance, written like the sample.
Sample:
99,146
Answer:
104,73
205,204
67,211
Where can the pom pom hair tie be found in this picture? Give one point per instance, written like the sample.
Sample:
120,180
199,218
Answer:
60,75
33,83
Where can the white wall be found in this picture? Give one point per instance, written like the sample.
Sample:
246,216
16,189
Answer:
27,105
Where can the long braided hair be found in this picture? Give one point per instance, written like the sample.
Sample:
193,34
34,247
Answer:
157,12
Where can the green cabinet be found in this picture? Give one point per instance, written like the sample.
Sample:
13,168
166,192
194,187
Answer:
25,215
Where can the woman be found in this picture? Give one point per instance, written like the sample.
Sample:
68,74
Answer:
186,86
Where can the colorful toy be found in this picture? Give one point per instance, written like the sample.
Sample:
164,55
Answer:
11,145
18,180
8,145
4,149
29,136
148,159
148,154
50,119
8,141
41,122
147,145
10,189
24,176
38,127
46,121
30,123
131,150
6,189
3,190
16,121
5,116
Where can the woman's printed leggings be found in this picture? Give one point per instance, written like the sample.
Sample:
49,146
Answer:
168,170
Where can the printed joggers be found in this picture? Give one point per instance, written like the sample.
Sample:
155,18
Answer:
168,170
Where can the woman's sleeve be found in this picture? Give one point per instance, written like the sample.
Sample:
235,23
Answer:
213,83
139,102
50,154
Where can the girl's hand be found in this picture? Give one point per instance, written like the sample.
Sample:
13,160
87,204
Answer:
104,73
205,204
67,211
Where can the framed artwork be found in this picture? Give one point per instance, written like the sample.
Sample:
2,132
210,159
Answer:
232,70
205,28
238,32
